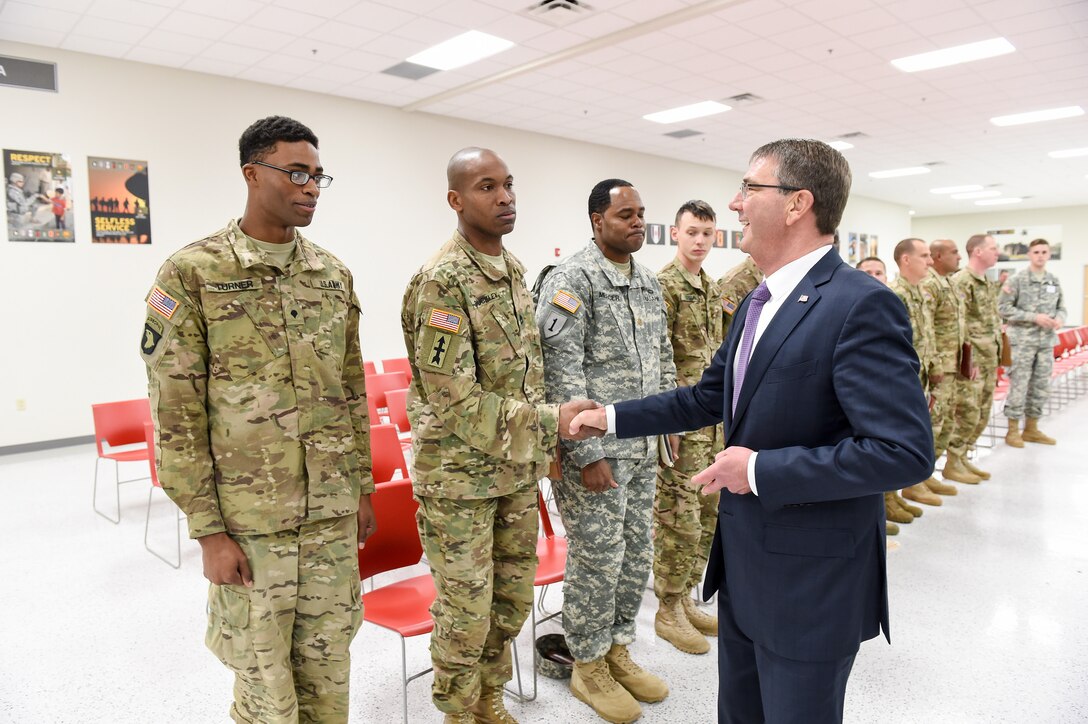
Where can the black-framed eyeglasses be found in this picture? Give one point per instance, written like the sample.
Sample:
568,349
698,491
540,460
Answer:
745,186
301,178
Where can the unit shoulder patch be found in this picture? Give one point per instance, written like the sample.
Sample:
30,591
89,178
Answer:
437,351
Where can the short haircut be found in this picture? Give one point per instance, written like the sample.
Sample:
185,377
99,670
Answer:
904,247
975,242
600,198
877,259
701,210
260,139
1038,242
817,167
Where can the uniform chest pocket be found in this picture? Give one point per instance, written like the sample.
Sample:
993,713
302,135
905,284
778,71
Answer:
615,328
245,332
499,346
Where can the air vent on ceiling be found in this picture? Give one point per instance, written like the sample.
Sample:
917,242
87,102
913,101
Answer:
411,71
853,135
743,99
684,133
558,12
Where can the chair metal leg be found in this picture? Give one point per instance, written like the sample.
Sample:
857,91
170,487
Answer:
116,489
177,525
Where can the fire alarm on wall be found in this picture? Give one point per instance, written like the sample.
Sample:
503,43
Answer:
557,251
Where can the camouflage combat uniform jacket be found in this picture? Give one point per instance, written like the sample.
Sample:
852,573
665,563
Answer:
946,309
257,388
480,425
981,320
1025,295
605,338
735,285
919,308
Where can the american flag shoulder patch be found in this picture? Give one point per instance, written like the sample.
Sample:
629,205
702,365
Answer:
566,301
729,305
444,320
162,302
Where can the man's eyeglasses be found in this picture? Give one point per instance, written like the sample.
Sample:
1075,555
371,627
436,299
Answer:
301,178
746,186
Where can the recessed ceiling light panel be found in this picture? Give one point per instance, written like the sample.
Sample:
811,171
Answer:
1069,153
461,50
1050,114
977,195
954,55
686,113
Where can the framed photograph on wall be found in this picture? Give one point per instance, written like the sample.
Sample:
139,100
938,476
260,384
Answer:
734,239
120,209
655,234
39,196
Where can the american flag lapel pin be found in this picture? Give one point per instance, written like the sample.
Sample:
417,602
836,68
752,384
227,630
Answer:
803,299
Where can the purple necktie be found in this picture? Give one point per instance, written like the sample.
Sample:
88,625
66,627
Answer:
760,296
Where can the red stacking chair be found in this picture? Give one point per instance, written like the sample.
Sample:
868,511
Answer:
119,424
369,368
403,606
149,428
551,552
378,385
386,454
398,416
400,364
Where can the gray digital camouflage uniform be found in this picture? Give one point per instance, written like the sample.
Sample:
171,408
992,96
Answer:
257,392
482,436
1023,296
605,338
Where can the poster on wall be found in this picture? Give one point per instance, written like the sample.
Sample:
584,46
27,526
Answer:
655,234
1012,244
719,238
39,196
673,234
120,211
860,245
734,239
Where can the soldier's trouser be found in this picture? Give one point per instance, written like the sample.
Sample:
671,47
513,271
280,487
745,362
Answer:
1029,380
974,399
609,555
684,521
943,414
483,558
287,637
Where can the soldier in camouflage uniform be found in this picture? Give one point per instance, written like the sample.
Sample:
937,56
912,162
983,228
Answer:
874,267
256,382
684,520
913,258
1031,302
735,285
975,394
482,436
603,324
946,309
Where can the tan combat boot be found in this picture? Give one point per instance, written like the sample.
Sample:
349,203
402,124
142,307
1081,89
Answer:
703,622
643,685
954,469
890,528
893,512
912,509
940,488
458,717
1032,433
490,709
919,493
972,468
592,683
671,624
1012,437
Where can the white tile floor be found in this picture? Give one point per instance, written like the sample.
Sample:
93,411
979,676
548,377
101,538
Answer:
989,600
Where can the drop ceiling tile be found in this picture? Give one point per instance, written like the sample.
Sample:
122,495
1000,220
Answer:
260,38
285,21
71,6
286,66
110,30
262,75
96,46
343,34
201,26
374,16
642,11
142,54
215,67
314,85
324,8
128,11
17,13
174,42
29,34
554,41
467,13
428,32
236,10
235,54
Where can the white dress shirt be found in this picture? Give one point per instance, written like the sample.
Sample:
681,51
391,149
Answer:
781,285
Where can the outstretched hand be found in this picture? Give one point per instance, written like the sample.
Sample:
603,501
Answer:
581,419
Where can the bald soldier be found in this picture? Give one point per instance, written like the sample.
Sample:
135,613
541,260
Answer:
482,436
255,375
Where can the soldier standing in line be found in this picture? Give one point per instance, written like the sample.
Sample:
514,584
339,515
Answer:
874,267
482,435
602,320
948,333
1031,302
735,285
257,392
684,520
975,393
912,256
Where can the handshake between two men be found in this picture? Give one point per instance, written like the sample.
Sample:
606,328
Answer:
583,419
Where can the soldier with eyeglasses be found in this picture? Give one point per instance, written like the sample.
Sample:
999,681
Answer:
255,376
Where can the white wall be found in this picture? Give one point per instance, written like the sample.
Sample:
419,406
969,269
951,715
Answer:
74,311
1069,269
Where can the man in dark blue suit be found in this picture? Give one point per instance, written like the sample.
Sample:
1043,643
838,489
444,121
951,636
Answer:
800,382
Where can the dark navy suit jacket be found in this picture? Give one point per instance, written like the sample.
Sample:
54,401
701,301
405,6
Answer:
832,403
